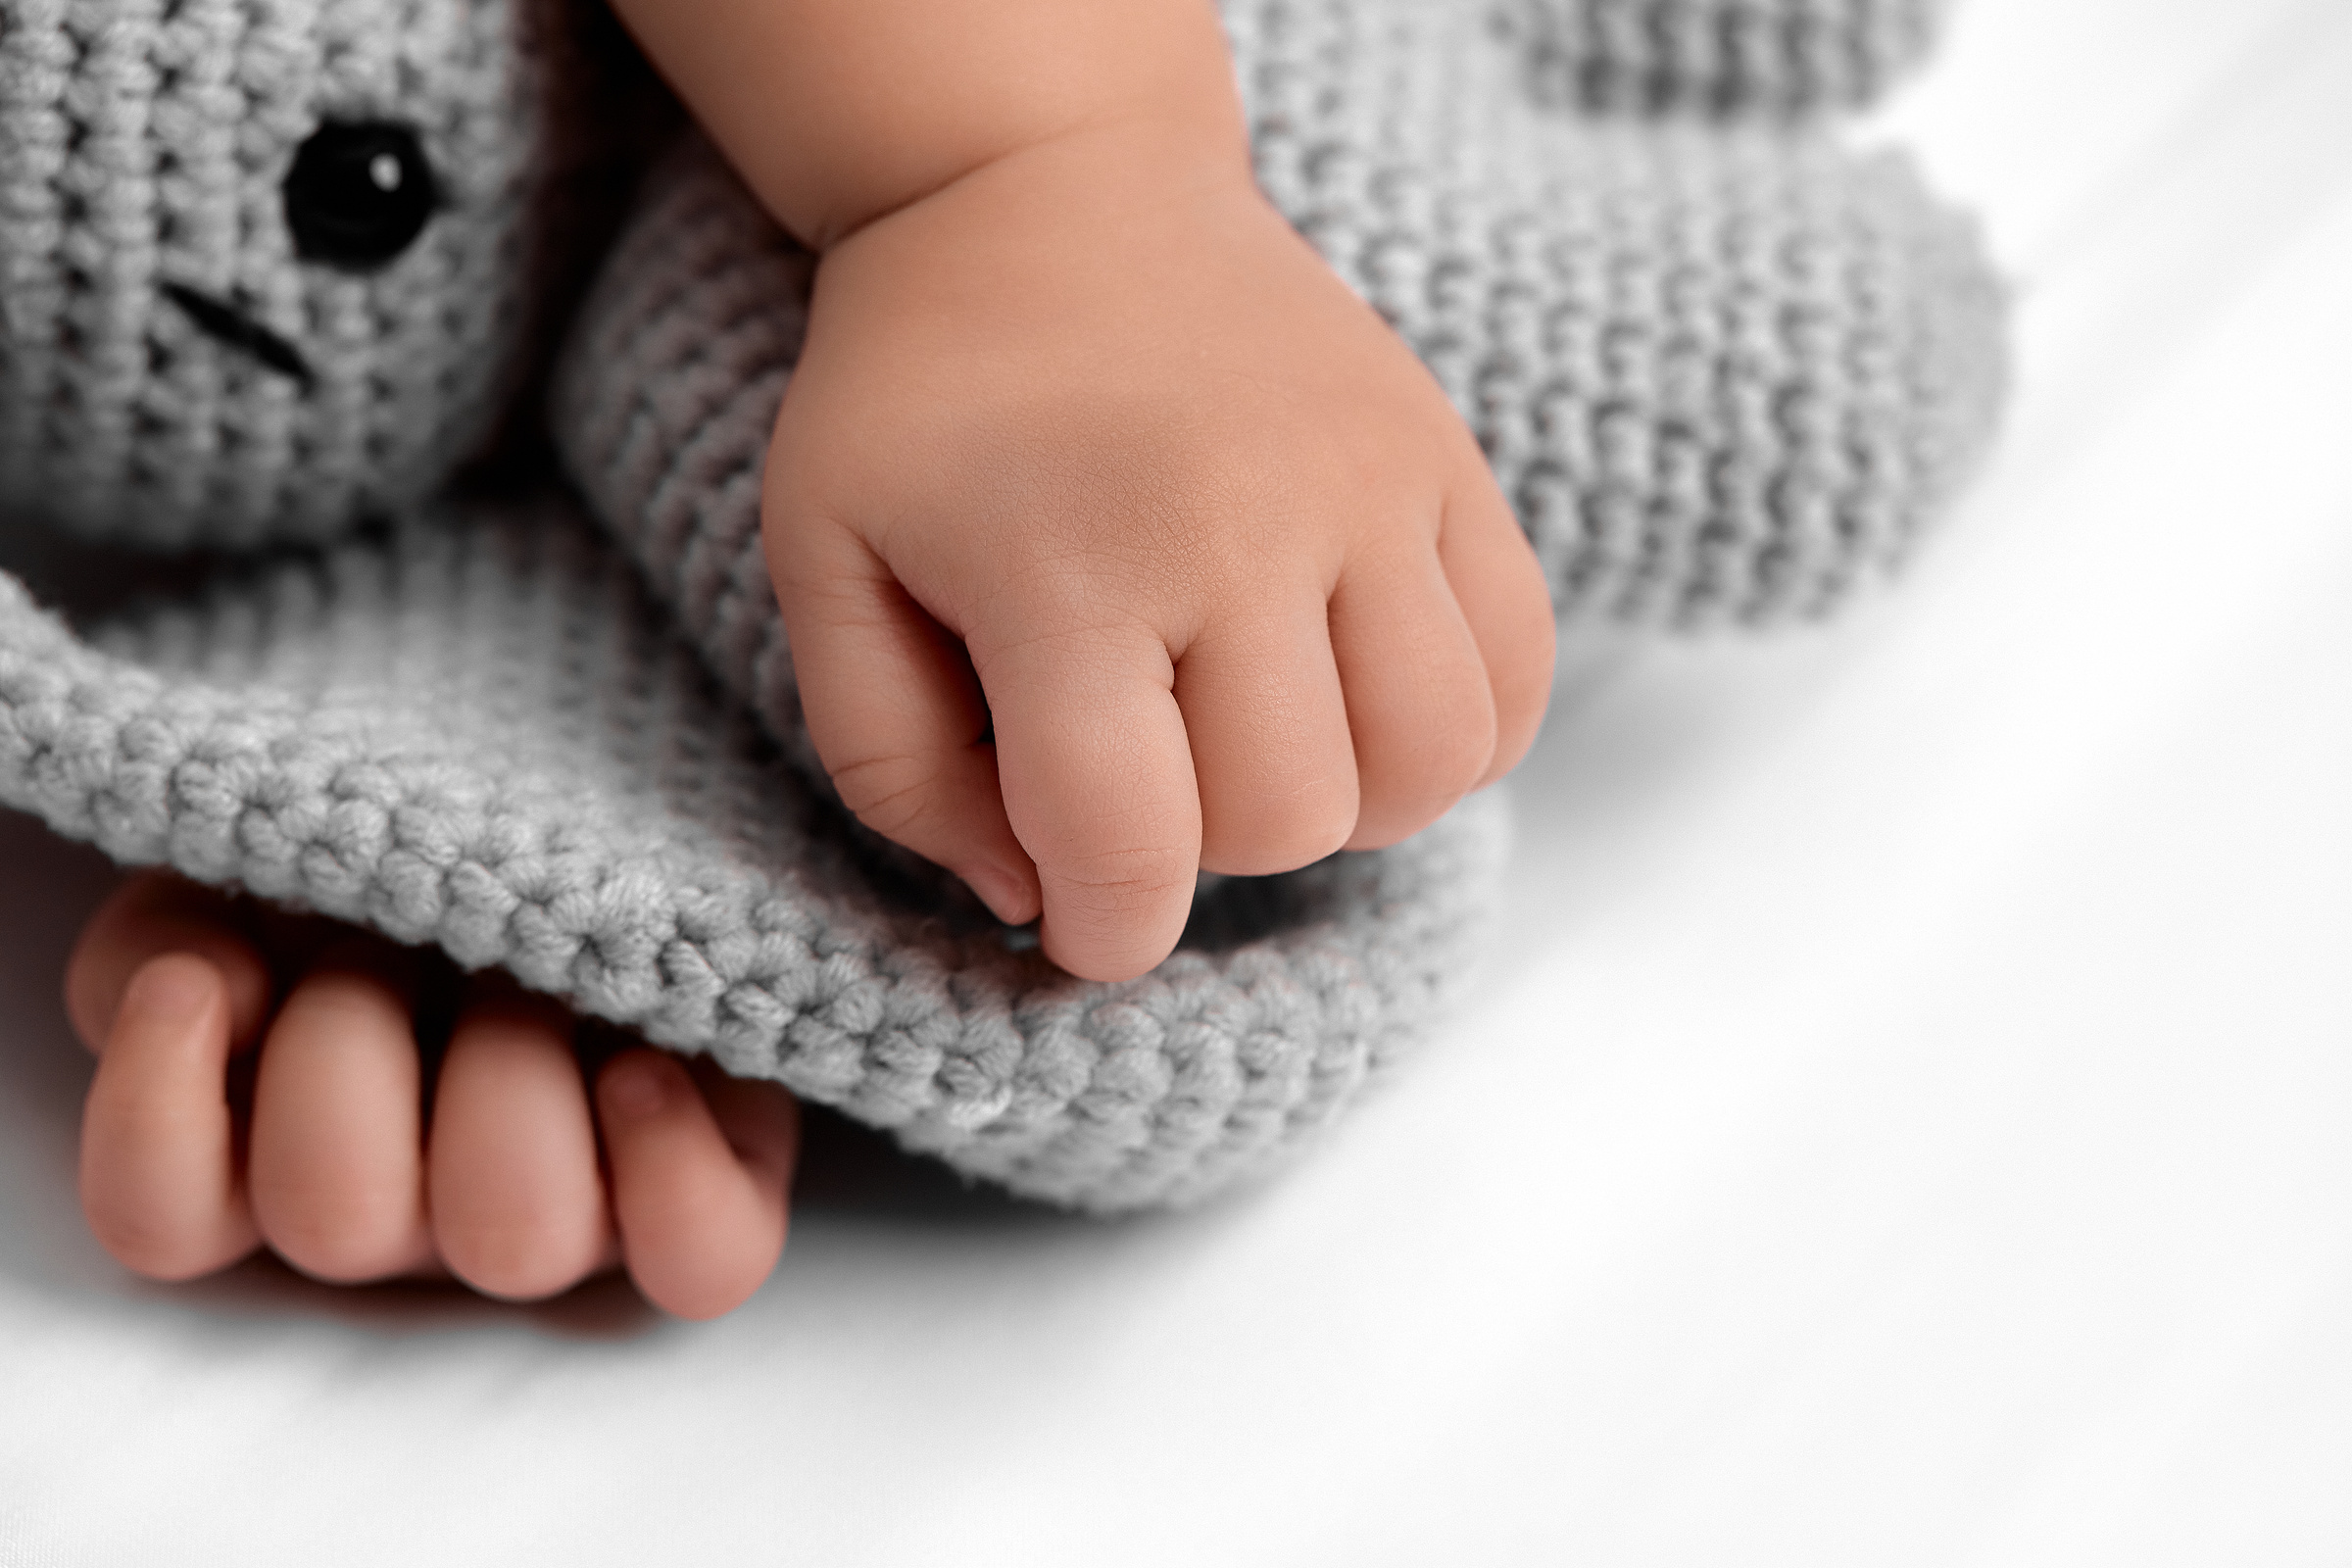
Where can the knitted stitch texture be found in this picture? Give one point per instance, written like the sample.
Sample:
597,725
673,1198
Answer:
1718,57
1726,376
475,732
174,369
1722,378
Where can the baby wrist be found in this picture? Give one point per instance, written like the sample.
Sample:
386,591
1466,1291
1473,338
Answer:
836,112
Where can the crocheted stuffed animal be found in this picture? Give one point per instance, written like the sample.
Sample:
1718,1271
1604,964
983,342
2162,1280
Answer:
271,268
266,275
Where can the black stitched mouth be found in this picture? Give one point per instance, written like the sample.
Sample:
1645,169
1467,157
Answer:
233,328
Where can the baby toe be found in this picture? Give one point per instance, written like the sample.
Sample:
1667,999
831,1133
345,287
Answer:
700,1173
335,1170
153,914
517,1206
159,1180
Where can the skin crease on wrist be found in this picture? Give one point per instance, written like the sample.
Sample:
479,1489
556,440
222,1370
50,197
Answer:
1198,567
835,112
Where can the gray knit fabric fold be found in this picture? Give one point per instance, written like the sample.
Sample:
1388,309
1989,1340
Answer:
475,732
1726,374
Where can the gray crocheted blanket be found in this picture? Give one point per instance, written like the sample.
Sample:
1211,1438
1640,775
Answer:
270,287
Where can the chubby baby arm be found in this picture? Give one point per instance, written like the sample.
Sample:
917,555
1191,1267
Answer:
1114,537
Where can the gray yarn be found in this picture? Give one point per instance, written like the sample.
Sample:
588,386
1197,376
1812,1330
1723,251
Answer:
1718,57
1726,376
477,733
146,143
1723,378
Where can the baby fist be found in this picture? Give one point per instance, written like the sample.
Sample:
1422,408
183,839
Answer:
1116,539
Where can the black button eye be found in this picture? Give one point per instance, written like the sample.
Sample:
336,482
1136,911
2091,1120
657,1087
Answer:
358,194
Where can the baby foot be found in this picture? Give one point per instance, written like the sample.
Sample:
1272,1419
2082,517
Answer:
261,1083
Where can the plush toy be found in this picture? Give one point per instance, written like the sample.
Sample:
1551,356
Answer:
274,272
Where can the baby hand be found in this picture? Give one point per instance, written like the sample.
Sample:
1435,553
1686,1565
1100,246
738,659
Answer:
1116,539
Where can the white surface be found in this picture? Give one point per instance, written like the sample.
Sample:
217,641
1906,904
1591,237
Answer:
1907,1125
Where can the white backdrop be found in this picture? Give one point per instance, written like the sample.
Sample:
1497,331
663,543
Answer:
1910,1120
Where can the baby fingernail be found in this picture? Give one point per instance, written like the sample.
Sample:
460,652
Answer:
1006,895
636,1086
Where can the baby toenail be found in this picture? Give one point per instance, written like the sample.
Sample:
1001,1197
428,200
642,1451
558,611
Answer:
173,986
636,1088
